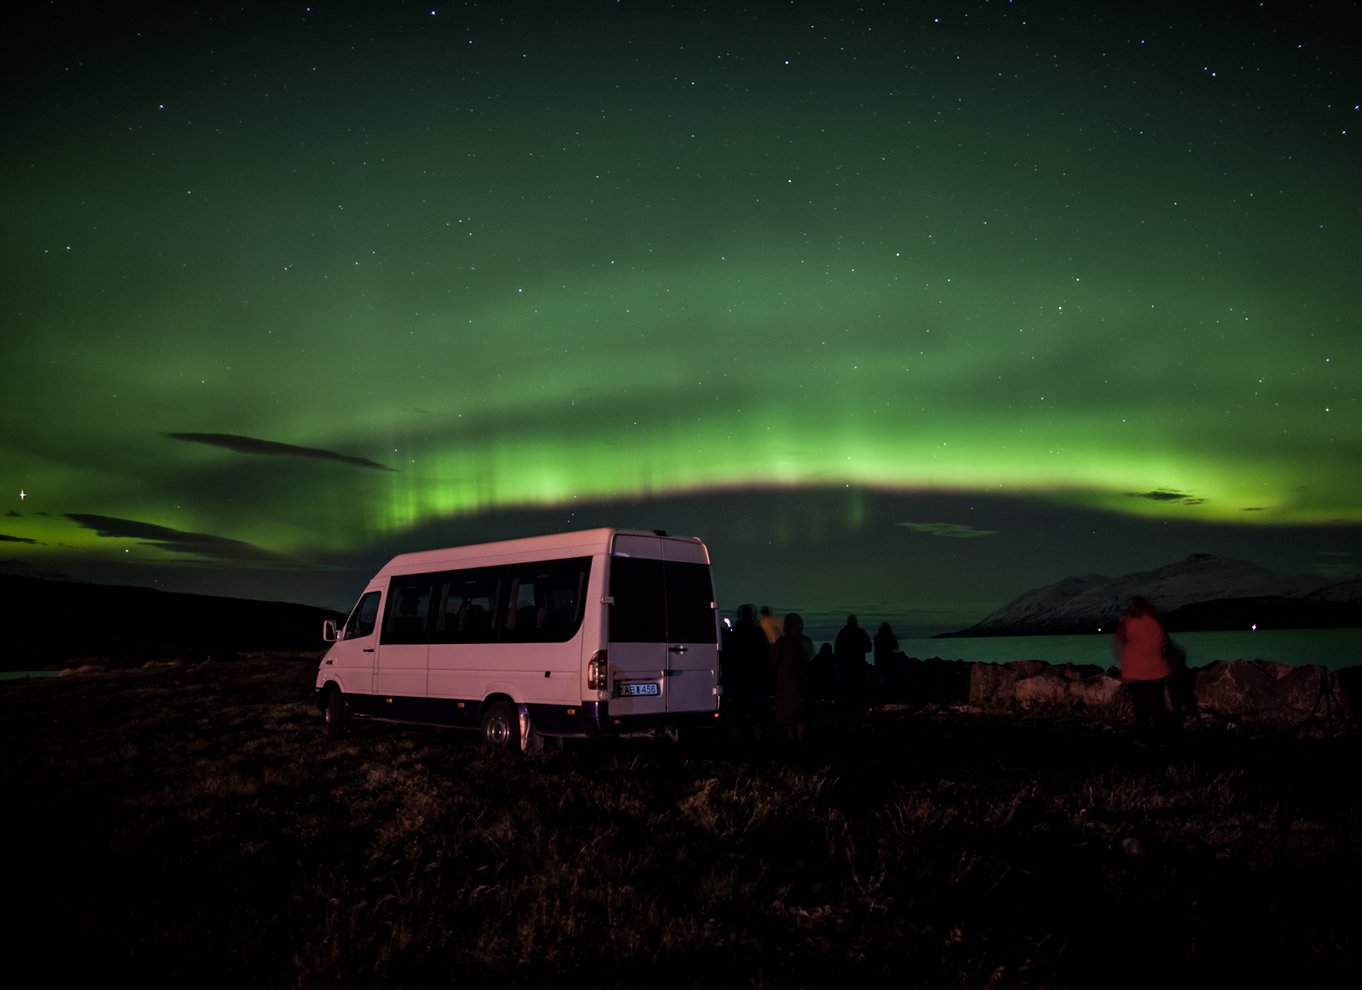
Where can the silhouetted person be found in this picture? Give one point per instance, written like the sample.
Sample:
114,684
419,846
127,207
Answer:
1181,681
887,658
849,650
822,673
770,625
790,657
1144,669
746,663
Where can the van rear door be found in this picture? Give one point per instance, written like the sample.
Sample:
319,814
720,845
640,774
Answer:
663,635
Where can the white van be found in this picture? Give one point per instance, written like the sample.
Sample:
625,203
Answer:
581,634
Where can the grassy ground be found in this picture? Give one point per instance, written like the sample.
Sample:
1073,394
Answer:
192,825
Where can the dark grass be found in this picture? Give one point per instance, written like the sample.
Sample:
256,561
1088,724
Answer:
192,825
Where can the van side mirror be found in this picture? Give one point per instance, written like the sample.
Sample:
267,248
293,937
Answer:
329,634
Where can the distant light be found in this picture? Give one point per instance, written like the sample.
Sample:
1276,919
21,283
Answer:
1253,627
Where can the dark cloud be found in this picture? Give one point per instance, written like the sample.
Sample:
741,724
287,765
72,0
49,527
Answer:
165,538
252,445
1164,495
5,538
953,530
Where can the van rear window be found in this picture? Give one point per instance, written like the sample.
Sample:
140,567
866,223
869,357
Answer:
659,601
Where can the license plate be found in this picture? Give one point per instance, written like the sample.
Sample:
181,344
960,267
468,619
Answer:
635,689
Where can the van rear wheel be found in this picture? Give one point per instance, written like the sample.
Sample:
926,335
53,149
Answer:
501,726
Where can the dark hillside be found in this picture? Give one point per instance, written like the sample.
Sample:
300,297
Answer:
1267,613
56,621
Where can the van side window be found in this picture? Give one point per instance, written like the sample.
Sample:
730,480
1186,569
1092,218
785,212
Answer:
467,607
545,600
364,618
408,609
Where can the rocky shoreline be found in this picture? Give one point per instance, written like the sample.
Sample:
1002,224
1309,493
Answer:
1250,695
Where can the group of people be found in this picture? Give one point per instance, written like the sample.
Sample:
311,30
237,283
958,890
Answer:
767,657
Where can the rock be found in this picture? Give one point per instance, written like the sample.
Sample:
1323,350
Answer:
1046,688
1028,668
992,684
1238,687
1097,690
1300,690
1274,694
1348,688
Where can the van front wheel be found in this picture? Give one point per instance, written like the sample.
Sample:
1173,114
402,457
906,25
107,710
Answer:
501,726
334,714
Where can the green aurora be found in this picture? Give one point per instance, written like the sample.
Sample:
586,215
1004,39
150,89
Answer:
289,289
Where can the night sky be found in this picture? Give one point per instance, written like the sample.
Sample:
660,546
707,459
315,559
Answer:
904,308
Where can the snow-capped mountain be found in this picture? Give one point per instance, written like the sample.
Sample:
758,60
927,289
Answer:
1202,586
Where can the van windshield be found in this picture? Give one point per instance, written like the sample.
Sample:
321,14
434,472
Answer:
363,619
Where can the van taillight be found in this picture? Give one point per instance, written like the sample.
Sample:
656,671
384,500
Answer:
597,672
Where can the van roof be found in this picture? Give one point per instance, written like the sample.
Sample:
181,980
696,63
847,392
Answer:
572,544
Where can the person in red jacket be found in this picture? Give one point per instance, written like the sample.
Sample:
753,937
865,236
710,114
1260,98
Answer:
1140,641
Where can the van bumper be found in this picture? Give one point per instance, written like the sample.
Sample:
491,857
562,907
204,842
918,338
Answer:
593,718
596,720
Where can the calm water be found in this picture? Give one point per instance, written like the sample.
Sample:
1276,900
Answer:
1331,648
